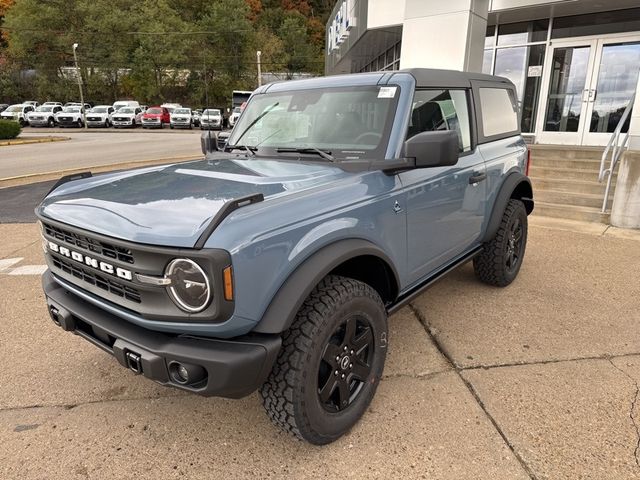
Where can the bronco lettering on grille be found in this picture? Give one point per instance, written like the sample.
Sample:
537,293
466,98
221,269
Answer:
90,261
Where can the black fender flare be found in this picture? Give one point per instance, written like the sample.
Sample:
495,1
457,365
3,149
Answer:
515,183
285,304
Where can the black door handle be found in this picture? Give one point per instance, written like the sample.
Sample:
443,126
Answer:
477,177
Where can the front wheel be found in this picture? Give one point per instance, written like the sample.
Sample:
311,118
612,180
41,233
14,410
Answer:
331,362
499,262
51,122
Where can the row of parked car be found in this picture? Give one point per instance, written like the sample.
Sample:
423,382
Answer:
122,114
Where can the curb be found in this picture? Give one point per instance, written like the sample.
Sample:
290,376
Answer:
27,141
54,175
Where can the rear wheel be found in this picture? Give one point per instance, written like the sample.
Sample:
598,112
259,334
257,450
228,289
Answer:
331,361
500,261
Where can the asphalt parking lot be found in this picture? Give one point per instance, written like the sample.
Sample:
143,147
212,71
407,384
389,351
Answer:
538,380
92,148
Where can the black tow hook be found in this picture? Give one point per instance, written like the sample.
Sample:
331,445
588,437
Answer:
134,362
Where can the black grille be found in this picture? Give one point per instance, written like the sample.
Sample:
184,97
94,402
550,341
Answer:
89,244
94,119
106,284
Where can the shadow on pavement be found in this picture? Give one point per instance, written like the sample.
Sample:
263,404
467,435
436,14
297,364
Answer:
18,203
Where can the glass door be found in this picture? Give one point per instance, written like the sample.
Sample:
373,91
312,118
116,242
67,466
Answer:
613,82
563,115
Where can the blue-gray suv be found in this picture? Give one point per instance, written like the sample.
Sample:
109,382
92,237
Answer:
274,263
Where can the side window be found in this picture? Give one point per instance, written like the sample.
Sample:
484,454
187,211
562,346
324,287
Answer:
499,111
441,110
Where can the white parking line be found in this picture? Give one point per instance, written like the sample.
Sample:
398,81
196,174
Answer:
28,270
8,262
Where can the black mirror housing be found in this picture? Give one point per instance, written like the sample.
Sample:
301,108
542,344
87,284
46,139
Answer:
433,149
209,142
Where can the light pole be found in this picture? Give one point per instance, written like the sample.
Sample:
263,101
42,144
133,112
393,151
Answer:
82,109
258,53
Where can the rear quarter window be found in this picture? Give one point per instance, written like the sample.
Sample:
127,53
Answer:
499,113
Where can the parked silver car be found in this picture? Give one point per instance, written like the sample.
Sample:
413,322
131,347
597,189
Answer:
181,118
211,119
44,116
100,116
70,117
125,117
17,113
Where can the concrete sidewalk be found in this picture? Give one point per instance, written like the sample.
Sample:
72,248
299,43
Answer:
538,380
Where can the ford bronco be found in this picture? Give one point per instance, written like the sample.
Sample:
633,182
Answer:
273,265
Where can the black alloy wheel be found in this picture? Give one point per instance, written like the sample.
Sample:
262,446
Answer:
346,363
514,245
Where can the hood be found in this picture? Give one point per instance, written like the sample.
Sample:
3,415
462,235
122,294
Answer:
172,205
152,115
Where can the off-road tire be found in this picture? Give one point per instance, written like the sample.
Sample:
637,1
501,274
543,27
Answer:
291,395
491,266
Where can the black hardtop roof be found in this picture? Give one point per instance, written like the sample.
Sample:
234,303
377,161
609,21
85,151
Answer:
432,77
425,77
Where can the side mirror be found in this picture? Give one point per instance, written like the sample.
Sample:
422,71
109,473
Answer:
433,149
209,142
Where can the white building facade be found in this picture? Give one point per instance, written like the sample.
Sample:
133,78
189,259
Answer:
575,63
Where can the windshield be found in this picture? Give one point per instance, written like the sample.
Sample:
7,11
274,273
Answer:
211,111
44,108
99,110
154,111
351,122
71,109
14,108
185,111
127,110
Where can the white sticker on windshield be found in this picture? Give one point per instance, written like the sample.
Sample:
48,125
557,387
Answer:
387,92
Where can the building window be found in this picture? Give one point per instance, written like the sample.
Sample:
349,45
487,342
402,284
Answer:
441,110
388,60
600,23
519,56
523,66
523,32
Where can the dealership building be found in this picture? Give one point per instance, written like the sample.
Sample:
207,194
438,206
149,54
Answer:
575,63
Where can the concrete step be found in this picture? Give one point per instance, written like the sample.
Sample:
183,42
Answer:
558,162
567,185
567,152
566,173
571,212
592,200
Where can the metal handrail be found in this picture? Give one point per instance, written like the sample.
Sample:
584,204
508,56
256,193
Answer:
616,151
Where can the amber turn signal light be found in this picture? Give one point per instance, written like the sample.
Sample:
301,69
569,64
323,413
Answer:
227,275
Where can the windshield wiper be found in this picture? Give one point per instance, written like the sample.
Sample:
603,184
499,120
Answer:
246,148
323,153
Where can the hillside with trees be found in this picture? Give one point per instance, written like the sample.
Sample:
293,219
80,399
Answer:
187,51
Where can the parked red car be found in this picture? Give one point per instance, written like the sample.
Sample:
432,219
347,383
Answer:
155,117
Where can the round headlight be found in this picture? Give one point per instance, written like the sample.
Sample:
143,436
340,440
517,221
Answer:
189,289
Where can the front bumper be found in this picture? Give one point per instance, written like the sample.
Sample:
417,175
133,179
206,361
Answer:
233,368
152,123
96,123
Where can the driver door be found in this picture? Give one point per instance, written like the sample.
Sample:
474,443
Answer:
445,205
